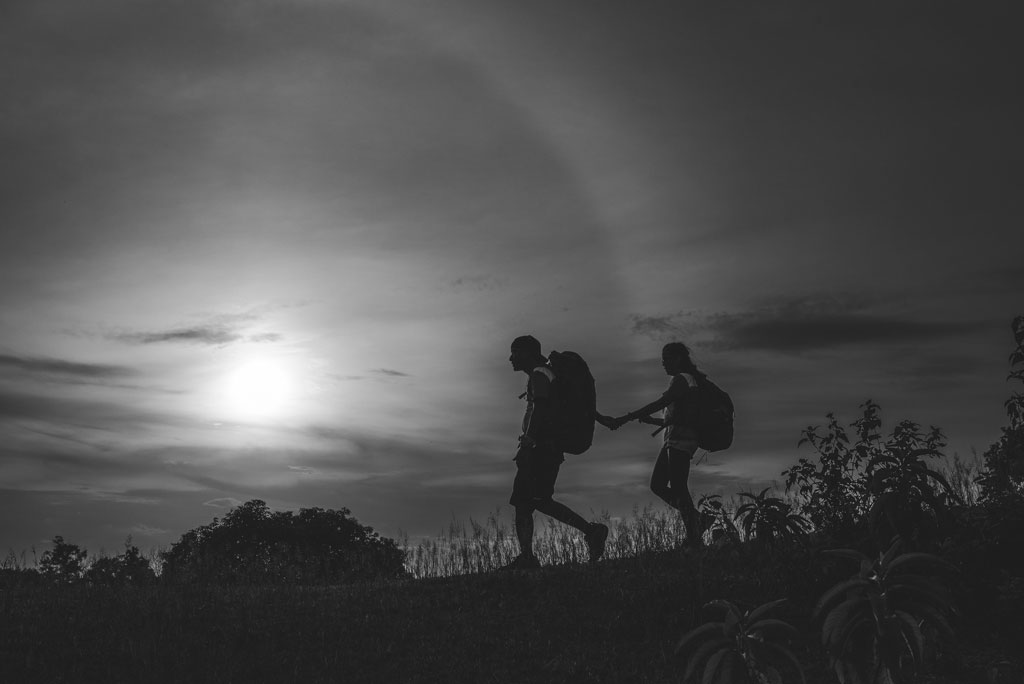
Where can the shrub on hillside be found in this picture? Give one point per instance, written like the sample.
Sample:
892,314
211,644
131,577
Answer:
874,486
64,563
769,519
1003,478
129,567
254,545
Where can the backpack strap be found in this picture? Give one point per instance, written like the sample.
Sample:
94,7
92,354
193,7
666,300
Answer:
546,371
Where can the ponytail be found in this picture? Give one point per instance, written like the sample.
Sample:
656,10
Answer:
680,350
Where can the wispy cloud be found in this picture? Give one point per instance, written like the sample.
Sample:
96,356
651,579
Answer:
223,502
390,373
143,530
61,367
816,323
657,328
216,329
215,335
94,414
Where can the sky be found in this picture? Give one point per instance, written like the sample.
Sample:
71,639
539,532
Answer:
278,249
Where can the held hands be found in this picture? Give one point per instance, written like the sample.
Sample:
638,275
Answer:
615,423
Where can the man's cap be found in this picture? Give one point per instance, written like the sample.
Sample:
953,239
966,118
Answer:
528,343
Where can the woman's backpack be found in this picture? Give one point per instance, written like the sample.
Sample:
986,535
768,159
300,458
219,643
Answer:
714,416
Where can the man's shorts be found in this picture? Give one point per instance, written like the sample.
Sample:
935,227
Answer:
536,471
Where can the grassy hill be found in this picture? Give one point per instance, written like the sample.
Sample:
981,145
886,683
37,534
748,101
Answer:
616,621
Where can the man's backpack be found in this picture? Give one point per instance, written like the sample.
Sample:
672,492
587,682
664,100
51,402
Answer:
714,416
575,395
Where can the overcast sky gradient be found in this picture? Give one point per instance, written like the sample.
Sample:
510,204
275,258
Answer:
370,200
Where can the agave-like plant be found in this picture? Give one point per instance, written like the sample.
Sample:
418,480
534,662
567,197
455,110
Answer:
741,648
769,518
715,518
873,625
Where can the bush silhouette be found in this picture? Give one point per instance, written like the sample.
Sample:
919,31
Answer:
1003,479
875,486
128,568
769,519
64,563
254,545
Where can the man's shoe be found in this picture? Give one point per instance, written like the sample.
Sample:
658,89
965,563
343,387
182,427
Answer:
522,562
595,539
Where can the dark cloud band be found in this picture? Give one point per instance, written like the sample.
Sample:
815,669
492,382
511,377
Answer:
62,367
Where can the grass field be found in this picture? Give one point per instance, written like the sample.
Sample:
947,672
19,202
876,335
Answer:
616,621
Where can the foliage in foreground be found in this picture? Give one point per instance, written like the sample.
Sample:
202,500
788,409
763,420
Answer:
741,648
874,625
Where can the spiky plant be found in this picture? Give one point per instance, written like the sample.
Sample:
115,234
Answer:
769,518
715,518
741,648
873,625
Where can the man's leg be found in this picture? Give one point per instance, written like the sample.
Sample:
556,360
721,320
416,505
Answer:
563,514
594,534
524,530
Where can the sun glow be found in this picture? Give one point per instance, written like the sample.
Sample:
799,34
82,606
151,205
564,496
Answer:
258,389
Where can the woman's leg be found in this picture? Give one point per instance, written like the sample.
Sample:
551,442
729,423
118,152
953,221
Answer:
660,479
679,473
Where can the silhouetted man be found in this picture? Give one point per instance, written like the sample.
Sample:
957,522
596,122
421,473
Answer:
539,458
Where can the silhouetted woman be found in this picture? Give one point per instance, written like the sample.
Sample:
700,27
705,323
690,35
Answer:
679,403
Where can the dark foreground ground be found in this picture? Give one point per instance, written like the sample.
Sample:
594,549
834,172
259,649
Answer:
617,622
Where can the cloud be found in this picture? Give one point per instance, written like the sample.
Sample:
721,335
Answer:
201,334
60,367
655,327
94,414
117,497
821,323
390,373
217,329
223,502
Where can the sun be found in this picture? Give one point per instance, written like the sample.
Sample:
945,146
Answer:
258,389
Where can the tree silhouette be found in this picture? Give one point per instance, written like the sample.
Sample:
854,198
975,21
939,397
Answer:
128,568
64,563
1004,461
254,545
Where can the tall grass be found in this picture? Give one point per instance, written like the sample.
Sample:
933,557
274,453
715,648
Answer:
475,547
478,547
962,476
